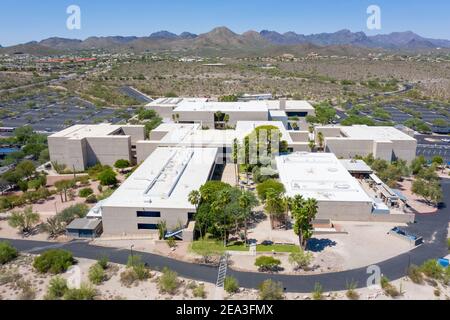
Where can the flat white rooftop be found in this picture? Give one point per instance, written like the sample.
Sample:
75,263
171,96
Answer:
294,105
250,106
212,106
375,133
320,176
85,131
165,179
173,102
193,135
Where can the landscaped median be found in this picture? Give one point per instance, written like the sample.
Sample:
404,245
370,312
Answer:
217,247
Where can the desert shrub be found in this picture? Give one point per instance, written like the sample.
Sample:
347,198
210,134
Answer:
300,260
107,177
136,271
76,211
231,285
318,292
432,269
56,288
351,293
7,252
141,271
9,276
97,274
85,292
86,192
415,274
103,262
28,292
122,164
388,288
168,282
266,263
91,199
271,290
172,243
199,291
54,261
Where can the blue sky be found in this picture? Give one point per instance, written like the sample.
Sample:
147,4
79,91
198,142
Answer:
26,20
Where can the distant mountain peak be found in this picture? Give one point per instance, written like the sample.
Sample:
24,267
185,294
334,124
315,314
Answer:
163,35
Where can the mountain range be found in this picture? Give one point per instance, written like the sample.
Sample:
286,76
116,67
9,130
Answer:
223,38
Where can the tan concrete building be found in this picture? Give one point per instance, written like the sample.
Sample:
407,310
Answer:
202,110
158,191
83,146
387,143
192,135
340,196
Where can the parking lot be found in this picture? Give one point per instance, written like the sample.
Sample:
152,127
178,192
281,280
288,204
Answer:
427,111
51,113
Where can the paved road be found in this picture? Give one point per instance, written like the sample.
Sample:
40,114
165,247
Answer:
432,228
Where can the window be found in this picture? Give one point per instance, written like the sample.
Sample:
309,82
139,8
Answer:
148,214
145,226
191,216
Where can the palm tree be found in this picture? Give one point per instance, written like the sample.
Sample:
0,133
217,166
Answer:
321,140
194,198
246,201
218,208
274,205
311,145
309,214
287,203
235,157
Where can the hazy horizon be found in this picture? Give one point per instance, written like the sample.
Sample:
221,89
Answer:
28,20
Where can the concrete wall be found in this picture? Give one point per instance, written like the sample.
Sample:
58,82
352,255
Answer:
328,131
344,211
207,117
145,148
136,133
357,211
299,136
69,152
124,221
383,150
405,150
107,150
300,146
348,148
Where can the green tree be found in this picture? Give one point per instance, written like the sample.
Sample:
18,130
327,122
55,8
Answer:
417,164
247,201
270,184
122,164
304,212
24,220
107,177
274,206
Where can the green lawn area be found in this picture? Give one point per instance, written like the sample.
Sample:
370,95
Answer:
217,246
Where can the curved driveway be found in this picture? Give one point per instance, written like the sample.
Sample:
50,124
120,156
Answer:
433,228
